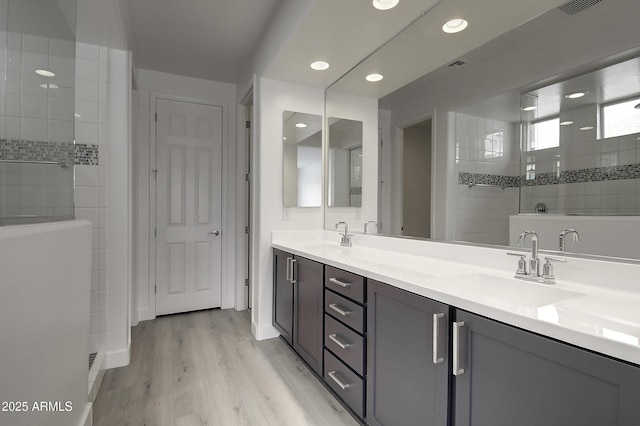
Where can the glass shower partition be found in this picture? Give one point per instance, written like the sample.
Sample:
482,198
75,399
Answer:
37,102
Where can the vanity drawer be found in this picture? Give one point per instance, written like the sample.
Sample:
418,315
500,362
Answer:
344,382
343,282
344,310
345,343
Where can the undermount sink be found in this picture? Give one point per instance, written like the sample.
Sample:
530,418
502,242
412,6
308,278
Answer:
498,290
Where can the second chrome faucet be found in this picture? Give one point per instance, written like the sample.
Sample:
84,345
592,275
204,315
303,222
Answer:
345,239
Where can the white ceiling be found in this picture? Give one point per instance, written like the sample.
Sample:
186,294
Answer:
209,39
218,39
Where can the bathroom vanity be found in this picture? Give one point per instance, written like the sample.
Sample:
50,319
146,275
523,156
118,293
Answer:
411,337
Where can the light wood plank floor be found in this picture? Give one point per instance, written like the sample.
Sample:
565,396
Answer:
205,368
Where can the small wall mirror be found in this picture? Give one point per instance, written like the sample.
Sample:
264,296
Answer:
302,159
344,172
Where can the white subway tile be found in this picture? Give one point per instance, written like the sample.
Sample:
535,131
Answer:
86,176
87,111
86,196
86,90
86,133
87,69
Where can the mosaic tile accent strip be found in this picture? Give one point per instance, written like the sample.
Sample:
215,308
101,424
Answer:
25,150
87,155
471,179
595,174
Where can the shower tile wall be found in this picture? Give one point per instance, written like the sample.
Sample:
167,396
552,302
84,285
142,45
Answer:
36,123
487,150
91,177
585,174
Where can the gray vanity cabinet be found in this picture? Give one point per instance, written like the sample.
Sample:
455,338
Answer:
407,363
308,311
508,376
298,285
283,294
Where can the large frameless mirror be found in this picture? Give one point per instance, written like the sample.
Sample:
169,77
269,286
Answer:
302,159
477,160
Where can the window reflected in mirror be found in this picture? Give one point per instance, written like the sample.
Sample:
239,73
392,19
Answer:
344,173
580,143
302,159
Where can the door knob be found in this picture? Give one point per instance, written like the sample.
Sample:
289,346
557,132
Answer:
214,233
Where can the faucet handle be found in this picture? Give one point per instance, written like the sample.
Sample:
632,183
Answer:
547,269
522,263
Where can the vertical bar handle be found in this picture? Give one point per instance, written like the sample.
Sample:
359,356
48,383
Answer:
457,370
437,359
293,271
289,259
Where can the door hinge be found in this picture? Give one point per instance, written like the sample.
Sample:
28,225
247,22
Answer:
155,232
246,229
156,115
247,124
246,282
247,177
155,289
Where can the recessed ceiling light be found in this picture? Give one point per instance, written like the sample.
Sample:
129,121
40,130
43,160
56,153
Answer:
455,25
77,115
301,125
530,108
45,73
49,86
320,65
385,4
575,95
586,128
284,138
374,77
566,123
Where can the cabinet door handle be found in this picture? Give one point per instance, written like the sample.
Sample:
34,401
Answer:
339,309
342,284
339,342
457,370
293,271
437,359
289,259
339,382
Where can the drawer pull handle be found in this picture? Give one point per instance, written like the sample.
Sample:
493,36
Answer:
339,309
339,382
339,342
340,283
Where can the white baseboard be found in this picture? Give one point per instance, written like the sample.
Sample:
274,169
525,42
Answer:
119,358
263,332
228,303
146,315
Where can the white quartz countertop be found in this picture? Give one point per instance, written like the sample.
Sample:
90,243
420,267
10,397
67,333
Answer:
601,318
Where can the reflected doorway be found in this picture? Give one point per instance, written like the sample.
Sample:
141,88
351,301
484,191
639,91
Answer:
416,178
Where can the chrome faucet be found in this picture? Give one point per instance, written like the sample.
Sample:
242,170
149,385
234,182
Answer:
566,232
533,272
368,222
534,262
345,240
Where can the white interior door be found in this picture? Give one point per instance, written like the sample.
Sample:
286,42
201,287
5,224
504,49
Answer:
189,193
